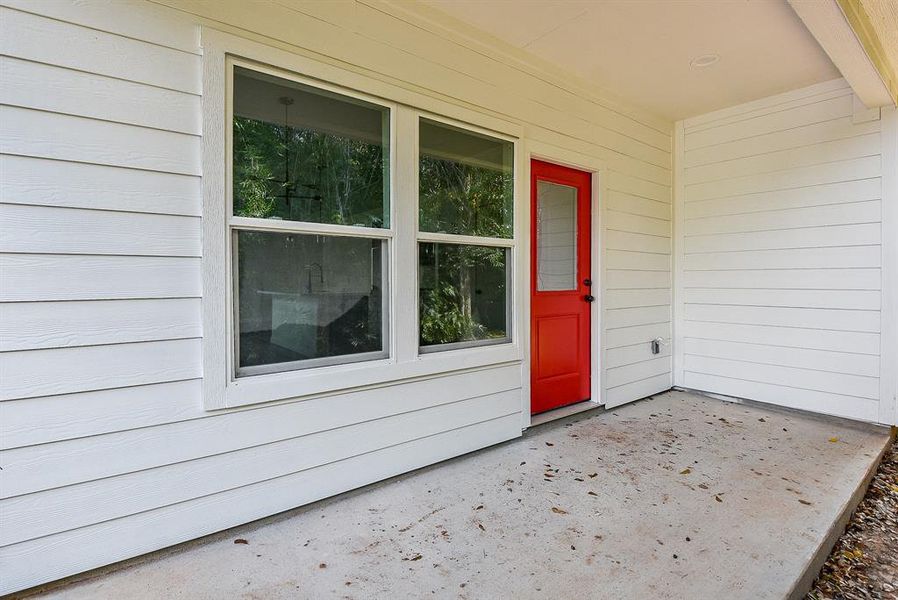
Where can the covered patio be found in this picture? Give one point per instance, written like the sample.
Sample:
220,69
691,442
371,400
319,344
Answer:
676,496
450,298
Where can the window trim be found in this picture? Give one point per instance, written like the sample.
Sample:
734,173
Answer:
223,391
513,305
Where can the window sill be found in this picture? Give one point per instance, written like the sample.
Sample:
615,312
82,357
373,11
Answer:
301,385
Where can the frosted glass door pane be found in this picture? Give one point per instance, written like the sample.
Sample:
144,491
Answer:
556,237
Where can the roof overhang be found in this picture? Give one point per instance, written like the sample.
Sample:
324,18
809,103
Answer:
856,44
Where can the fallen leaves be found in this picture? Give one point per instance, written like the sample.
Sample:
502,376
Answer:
833,440
558,511
686,471
240,541
854,553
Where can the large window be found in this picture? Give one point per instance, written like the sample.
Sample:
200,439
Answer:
466,224
329,250
349,238
310,225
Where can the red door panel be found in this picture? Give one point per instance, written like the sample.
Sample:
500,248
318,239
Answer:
560,286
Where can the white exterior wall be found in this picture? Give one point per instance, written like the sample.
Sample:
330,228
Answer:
107,451
781,239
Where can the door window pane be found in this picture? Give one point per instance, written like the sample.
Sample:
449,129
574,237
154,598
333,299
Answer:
556,237
466,182
463,294
306,297
303,154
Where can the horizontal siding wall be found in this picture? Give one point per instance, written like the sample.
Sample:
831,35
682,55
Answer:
780,232
638,289
106,450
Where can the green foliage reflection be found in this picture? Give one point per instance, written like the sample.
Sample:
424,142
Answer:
306,175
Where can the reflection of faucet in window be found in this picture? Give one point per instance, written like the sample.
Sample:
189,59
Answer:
309,268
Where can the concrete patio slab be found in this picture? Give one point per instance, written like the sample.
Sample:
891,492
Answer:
677,496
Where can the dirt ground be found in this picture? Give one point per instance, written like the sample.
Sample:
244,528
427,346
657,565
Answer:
864,562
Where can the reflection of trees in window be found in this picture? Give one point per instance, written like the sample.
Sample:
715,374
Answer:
466,199
305,175
462,293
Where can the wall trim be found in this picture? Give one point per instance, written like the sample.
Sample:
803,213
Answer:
888,376
678,228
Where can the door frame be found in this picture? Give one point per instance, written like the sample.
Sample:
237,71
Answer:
534,150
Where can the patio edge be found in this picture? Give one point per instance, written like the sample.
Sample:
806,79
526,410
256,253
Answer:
805,582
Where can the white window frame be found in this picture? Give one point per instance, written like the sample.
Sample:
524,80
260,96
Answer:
509,244
221,388
236,224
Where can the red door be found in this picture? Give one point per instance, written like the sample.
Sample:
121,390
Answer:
560,292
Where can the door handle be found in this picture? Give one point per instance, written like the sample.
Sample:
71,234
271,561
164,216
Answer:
589,298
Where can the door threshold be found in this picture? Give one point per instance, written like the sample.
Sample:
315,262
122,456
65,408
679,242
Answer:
562,412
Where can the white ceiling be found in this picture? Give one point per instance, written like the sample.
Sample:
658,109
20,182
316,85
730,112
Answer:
640,49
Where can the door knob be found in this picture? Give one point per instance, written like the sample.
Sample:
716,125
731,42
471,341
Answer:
589,298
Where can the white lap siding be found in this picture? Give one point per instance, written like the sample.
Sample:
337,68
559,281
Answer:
780,231
106,449
638,289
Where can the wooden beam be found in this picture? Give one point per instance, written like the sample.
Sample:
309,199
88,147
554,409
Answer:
869,34
851,43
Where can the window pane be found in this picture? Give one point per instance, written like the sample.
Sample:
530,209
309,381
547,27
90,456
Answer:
556,237
466,182
463,293
304,154
302,297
